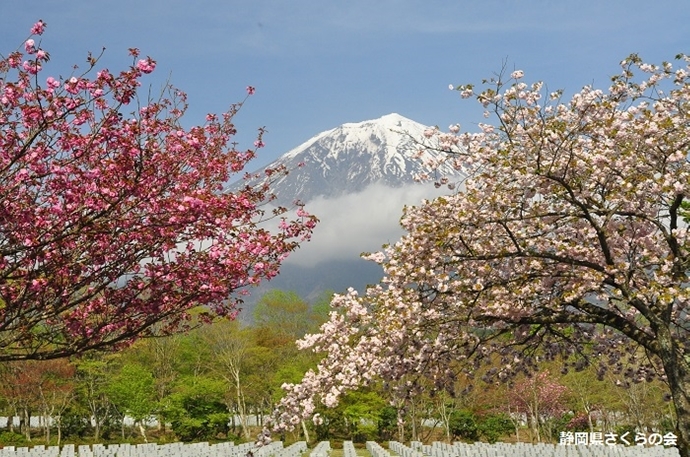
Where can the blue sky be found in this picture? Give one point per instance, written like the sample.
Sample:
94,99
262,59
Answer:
318,64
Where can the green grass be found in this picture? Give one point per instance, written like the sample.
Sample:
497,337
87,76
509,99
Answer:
361,452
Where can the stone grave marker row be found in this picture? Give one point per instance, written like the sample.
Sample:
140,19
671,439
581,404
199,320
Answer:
321,450
376,450
349,449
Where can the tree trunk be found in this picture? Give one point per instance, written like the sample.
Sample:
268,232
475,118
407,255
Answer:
677,370
590,421
142,430
444,412
517,432
679,382
306,432
401,426
241,406
413,419
27,423
58,424
515,419
46,423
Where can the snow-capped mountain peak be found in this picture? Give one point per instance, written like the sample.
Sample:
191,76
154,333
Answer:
350,157
387,128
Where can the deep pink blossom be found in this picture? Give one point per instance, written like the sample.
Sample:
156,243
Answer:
38,28
146,65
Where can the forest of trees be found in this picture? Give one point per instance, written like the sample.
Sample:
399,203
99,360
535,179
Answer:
221,381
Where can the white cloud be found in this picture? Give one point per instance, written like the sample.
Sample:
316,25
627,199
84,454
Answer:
360,222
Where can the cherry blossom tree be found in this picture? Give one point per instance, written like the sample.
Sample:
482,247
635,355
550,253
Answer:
114,222
539,397
566,240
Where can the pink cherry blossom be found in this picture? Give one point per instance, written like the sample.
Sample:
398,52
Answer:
146,65
38,28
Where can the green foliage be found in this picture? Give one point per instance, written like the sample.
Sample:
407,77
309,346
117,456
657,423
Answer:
190,428
578,423
684,211
467,425
197,410
92,398
74,423
132,391
494,426
282,316
358,417
463,424
12,439
362,412
321,307
388,418
621,430
185,382
287,316
291,371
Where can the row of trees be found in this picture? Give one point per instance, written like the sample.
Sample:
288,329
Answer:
532,409
204,384
222,381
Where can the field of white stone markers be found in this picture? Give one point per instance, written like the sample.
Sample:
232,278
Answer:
324,449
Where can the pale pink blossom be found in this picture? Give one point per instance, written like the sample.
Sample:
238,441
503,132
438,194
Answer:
517,74
430,132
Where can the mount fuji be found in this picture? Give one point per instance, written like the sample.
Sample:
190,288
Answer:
353,156
356,178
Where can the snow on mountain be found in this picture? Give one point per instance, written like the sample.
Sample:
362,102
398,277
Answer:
351,157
